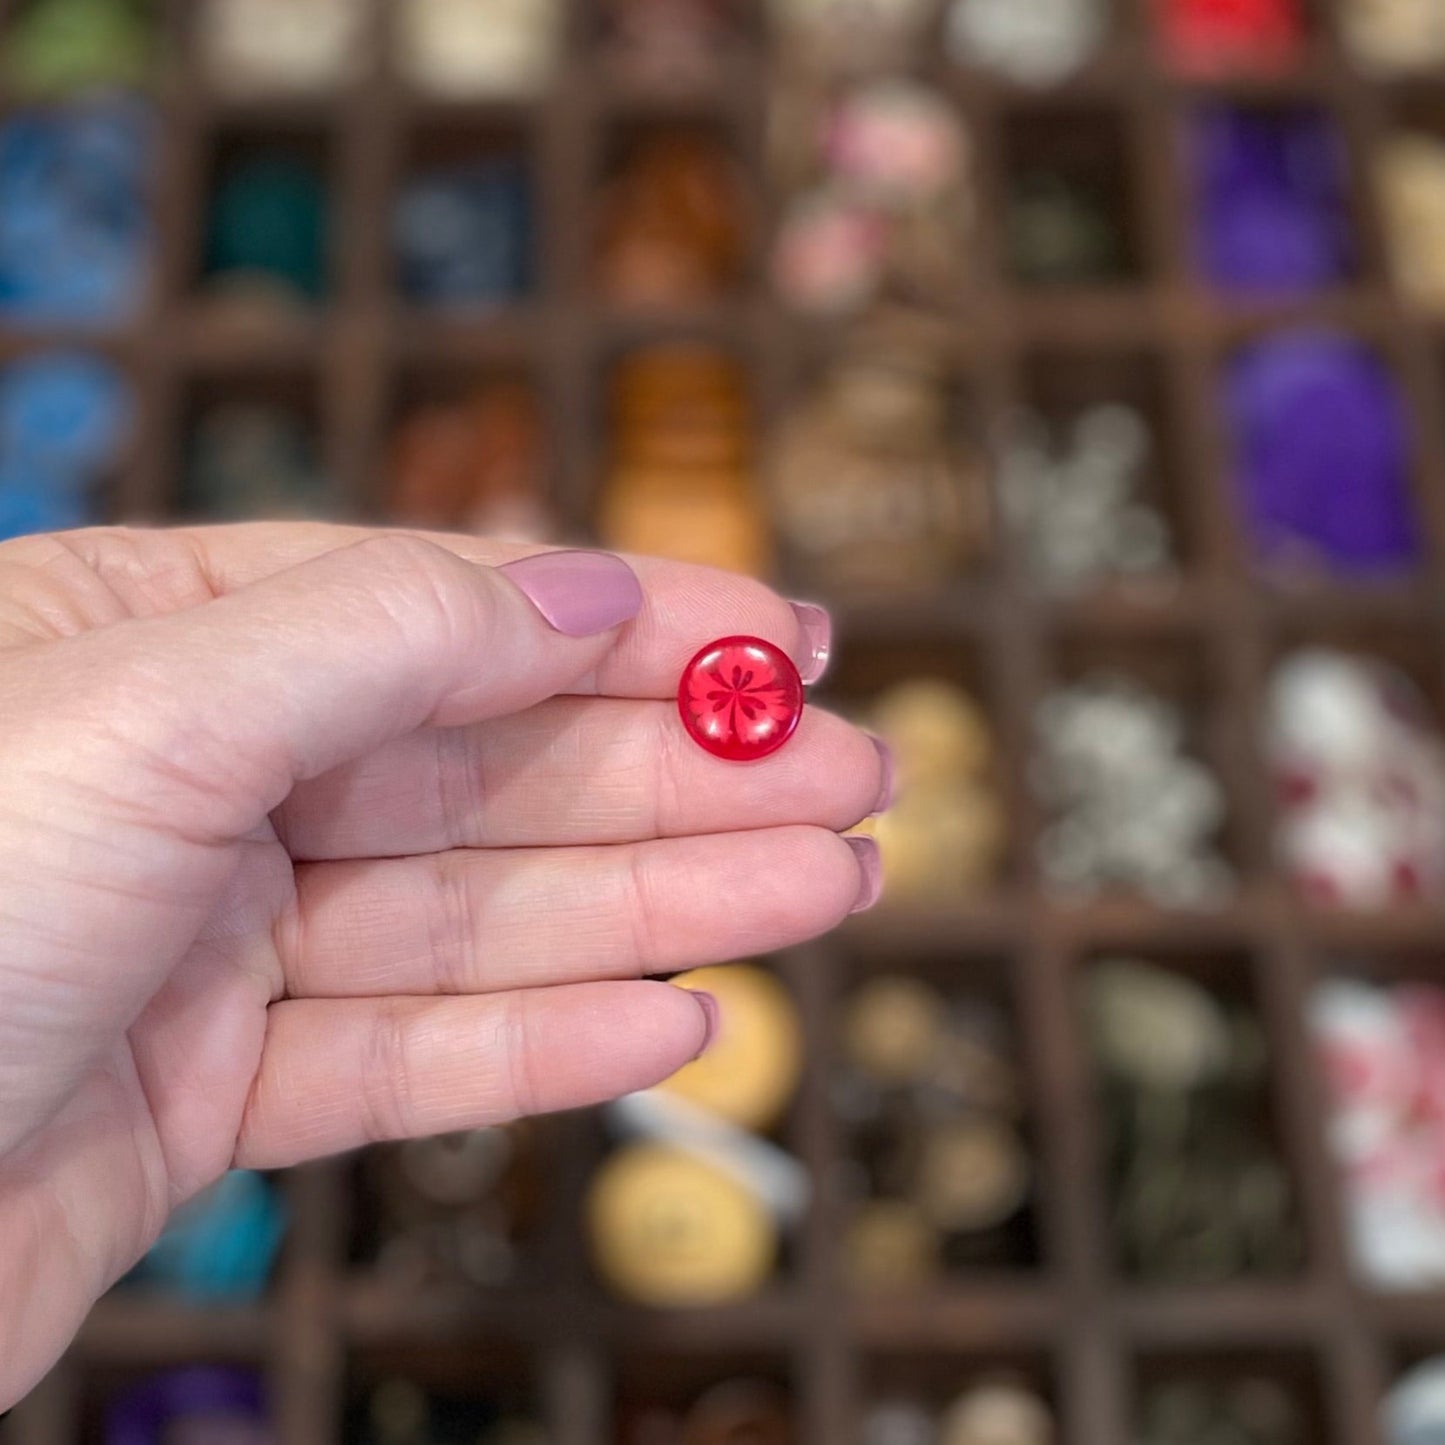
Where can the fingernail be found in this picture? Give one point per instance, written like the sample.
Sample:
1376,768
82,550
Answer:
817,629
870,865
887,790
711,1016
579,593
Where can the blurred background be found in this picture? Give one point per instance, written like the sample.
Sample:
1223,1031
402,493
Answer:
1087,357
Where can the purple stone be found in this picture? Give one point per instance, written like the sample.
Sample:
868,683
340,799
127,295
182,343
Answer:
1273,208
1322,455
204,1402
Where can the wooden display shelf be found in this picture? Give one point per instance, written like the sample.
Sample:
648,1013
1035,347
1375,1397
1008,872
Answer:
1071,1319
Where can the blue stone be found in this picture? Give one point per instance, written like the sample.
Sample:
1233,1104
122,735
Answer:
63,416
75,226
28,505
463,235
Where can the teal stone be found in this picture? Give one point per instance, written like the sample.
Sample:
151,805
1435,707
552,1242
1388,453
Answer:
222,1246
269,216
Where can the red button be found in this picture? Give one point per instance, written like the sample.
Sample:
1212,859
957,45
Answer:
741,698
1207,37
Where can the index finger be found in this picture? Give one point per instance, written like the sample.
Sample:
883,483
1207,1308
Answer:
685,607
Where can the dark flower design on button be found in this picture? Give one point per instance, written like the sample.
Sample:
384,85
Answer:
741,698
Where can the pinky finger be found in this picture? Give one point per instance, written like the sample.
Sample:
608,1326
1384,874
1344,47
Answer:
337,1074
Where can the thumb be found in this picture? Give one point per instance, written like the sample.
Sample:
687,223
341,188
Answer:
135,753
243,697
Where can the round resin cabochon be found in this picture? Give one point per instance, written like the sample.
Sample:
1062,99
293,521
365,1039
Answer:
740,698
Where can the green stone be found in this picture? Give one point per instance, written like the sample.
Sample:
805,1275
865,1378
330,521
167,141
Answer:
56,46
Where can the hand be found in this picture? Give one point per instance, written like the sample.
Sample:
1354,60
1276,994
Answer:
311,837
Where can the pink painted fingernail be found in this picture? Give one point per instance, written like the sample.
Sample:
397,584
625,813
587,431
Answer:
579,593
817,629
887,790
870,866
712,1016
